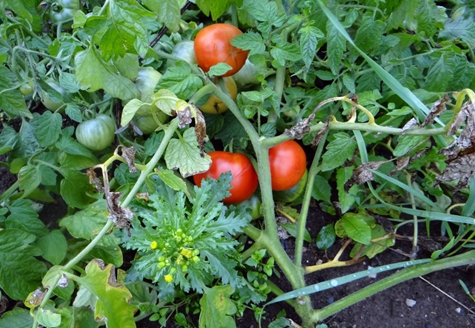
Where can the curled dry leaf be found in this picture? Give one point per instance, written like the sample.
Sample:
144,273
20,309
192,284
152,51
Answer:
362,174
94,180
409,125
438,107
461,153
320,134
200,129
299,129
128,154
121,216
184,112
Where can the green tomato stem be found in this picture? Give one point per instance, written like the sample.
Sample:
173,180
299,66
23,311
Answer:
302,222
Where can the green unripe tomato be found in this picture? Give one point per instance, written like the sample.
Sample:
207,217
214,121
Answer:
290,195
96,134
254,204
48,101
26,88
184,50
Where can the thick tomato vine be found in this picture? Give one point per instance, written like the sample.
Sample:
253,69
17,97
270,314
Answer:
244,181
213,46
288,163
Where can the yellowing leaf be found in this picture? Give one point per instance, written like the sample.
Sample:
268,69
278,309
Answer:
217,308
112,304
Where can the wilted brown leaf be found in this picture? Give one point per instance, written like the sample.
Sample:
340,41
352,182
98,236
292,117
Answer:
362,174
93,179
128,153
121,216
461,153
439,107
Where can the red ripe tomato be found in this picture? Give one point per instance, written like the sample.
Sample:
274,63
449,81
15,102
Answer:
213,46
244,181
288,163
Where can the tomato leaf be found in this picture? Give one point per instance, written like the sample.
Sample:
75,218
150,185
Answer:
459,28
47,127
20,271
217,308
336,46
112,299
321,189
129,111
326,237
179,80
251,41
24,217
369,35
285,52
18,317
216,8
75,187
11,100
168,12
123,29
346,198
8,139
54,246
29,178
338,151
184,154
48,318
309,36
356,227
219,69
94,73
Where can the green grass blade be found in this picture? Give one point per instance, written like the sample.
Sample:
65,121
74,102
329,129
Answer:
343,280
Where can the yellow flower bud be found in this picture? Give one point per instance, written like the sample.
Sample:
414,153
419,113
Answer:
168,278
153,245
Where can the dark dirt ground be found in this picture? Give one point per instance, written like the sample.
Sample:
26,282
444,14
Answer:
387,309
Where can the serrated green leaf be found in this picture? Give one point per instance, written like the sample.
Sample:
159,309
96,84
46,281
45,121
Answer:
326,237
459,28
321,189
179,80
112,299
369,35
20,271
216,8
184,154
74,112
217,308
11,100
165,100
285,52
406,143
53,246
69,145
251,41
438,77
123,29
349,83
168,12
18,317
27,144
309,36
93,73
338,151
336,46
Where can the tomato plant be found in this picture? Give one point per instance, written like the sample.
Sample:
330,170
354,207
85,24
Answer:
96,134
213,46
244,181
288,163
214,105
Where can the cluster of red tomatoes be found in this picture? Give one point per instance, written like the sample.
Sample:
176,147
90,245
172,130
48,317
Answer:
287,160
